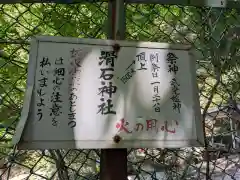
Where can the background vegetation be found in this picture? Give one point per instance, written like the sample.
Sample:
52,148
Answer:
213,32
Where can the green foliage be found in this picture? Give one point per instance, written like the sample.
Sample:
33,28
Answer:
213,33
217,48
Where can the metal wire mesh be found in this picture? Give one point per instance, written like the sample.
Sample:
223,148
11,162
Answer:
213,32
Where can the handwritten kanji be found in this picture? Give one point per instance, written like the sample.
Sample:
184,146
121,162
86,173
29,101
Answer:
171,57
154,74
58,80
154,57
59,72
107,56
151,124
156,98
175,97
157,107
155,67
106,73
155,89
168,130
141,58
177,106
55,109
106,108
156,82
122,126
45,62
107,89
173,68
56,97
78,55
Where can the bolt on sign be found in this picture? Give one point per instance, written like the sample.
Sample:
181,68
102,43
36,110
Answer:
90,93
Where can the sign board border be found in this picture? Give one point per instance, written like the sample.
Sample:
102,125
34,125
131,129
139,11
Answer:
17,139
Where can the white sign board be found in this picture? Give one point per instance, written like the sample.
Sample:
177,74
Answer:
88,93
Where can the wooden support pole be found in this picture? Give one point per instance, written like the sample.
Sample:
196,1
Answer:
113,162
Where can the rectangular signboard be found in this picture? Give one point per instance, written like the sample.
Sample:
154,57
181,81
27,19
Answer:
89,93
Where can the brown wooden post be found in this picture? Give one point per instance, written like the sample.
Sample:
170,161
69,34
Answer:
113,162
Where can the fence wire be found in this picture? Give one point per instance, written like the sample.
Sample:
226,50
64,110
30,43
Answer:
213,32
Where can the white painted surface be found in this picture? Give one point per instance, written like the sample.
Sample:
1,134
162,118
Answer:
132,101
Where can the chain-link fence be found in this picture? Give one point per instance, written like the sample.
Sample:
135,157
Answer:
213,32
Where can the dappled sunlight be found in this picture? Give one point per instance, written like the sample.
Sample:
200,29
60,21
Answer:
212,32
